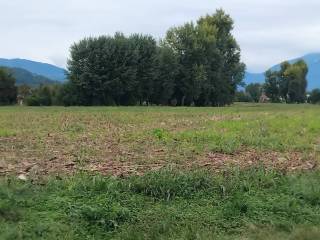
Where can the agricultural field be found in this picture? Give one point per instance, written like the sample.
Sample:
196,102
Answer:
248,171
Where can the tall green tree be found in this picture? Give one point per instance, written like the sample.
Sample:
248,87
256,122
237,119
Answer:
209,58
165,81
103,70
181,41
146,49
8,90
289,84
283,81
297,81
271,86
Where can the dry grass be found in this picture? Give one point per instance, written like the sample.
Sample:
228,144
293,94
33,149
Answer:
122,141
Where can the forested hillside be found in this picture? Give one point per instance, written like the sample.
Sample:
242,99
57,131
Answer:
25,77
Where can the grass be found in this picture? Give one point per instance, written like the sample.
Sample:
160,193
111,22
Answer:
142,136
249,171
168,204
6,133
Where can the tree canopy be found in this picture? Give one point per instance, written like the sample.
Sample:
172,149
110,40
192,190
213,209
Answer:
289,84
195,64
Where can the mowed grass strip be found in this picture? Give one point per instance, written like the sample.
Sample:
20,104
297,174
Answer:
167,204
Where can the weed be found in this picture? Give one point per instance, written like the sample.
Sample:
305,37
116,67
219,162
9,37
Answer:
169,204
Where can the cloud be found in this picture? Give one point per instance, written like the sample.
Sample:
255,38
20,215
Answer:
268,32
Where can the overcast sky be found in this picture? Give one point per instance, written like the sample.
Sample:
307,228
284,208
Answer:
267,31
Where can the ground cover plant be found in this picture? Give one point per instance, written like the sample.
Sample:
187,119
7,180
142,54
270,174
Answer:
170,204
240,172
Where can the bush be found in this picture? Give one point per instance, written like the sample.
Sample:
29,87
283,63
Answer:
48,95
315,96
241,96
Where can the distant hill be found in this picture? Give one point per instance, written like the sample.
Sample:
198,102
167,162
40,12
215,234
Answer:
43,69
25,77
313,62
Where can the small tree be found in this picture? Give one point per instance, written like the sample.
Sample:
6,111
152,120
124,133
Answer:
8,90
254,90
315,96
242,96
41,96
271,87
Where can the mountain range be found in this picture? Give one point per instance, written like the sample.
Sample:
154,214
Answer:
23,76
49,71
313,77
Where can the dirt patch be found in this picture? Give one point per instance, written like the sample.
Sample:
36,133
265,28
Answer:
290,161
66,164
218,118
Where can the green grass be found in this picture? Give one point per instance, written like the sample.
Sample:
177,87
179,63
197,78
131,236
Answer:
136,134
170,204
6,133
184,200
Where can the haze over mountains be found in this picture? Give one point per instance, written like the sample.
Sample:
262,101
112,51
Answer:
34,73
313,62
37,68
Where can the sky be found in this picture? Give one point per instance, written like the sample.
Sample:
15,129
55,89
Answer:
268,32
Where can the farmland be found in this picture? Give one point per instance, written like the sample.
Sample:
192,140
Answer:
248,171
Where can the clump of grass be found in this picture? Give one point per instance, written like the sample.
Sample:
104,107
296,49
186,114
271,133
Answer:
168,204
168,185
7,133
160,133
73,128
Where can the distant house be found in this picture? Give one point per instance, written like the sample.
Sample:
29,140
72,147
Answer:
264,98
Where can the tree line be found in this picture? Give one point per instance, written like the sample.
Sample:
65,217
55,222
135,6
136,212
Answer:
287,84
195,64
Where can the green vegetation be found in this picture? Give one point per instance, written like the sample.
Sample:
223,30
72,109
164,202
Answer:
274,127
249,171
24,77
252,204
289,84
315,96
252,93
8,91
195,64
44,95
